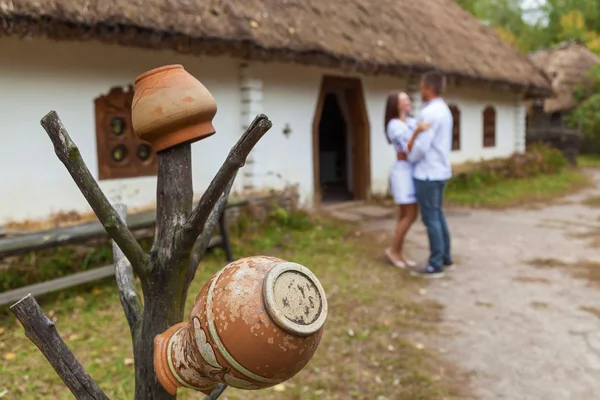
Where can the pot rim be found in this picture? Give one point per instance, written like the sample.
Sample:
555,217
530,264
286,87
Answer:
157,70
278,316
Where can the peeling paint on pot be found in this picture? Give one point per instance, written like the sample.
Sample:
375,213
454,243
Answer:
254,324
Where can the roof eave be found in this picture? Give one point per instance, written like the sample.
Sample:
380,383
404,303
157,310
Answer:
143,37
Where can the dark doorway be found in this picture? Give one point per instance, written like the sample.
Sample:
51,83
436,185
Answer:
341,142
334,174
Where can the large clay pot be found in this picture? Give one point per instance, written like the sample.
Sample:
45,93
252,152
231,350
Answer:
255,323
170,107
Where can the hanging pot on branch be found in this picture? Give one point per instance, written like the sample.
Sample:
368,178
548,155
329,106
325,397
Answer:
256,323
171,107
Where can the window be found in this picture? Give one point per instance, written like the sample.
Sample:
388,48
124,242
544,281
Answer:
556,119
120,153
456,127
489,127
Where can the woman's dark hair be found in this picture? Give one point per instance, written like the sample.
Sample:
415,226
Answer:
391,111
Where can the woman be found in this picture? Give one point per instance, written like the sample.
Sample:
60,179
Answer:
401,129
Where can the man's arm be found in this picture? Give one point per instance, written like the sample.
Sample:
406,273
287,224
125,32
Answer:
423,143
422,127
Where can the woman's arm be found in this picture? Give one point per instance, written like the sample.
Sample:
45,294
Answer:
423,126
396,131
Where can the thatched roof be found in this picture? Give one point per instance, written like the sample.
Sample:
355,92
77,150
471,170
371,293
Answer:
369,36
566,66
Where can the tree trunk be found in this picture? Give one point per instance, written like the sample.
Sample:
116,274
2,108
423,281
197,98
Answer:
164,297
182,235
162,309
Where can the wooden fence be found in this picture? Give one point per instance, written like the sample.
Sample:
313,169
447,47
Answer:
137,223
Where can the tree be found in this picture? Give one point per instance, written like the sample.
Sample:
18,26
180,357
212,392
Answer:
182,236
555,21
587,112
507,18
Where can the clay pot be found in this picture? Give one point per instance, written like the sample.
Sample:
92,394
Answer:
255,323
170,107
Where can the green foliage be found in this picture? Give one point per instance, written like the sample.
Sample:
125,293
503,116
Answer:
541,26
540,174
290,219
587,98
589,160
544,25
539,159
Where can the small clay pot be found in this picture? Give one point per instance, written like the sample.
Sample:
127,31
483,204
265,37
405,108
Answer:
255,323
170,107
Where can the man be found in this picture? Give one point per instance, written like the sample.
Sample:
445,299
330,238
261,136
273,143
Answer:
430,156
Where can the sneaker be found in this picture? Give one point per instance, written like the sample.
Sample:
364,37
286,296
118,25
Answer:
428,272
449,266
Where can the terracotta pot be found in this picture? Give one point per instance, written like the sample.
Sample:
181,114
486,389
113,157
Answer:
255,323
170,107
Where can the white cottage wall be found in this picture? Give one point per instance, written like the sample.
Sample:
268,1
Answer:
509,135
290,95
37,76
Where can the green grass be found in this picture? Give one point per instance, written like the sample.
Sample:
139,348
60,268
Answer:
380,304
592,201
589,160
511,192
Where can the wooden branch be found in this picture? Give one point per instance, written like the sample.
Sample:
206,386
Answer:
174,199
234,161
214,395
130,301
42,332
204,239
69,155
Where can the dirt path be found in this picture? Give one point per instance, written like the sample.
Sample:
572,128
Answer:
522,332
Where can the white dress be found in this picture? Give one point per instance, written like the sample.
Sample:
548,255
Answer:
401,177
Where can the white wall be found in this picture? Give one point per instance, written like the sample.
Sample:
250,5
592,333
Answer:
291,157
283,161
41,75
471,104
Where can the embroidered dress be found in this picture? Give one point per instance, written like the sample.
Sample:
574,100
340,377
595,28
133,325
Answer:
401,177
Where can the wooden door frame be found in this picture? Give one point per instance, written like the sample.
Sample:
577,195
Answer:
361,135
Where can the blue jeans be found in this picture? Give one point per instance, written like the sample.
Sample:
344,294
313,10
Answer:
430,195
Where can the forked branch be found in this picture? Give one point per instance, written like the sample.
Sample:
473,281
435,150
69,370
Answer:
68,153
130,301
234,161
42,332
207,233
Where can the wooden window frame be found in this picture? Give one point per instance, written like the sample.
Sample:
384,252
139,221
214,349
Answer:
116,105
489,126
456,136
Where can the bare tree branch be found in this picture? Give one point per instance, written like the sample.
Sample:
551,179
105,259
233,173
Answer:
214,395
130,301
68,153
207,233
174,199
234,161
42,332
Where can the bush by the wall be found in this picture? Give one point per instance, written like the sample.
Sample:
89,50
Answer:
539,159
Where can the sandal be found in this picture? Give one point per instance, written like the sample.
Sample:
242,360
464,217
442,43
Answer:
395,263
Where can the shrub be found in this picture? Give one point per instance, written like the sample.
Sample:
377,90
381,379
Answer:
539,159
